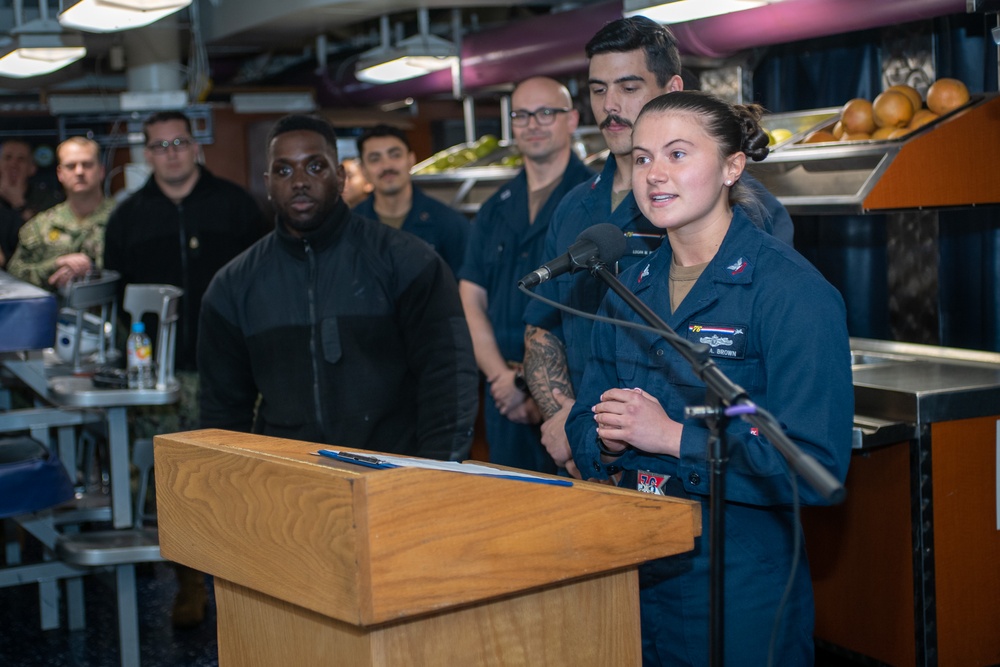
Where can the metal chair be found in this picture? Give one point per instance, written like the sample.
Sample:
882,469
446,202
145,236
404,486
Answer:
99,291
120,550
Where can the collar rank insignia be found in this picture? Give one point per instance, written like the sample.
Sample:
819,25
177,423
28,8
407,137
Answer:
739,267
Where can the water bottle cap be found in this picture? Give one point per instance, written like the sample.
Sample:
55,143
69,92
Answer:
138,327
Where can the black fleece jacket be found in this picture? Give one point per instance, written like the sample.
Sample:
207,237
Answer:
353,336
150,239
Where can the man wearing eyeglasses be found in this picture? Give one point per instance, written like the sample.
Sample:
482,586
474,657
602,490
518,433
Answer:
506,243
179,228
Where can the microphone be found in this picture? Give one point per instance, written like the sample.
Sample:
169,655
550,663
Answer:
602,243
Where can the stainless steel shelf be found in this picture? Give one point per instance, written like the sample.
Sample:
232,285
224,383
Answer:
939,165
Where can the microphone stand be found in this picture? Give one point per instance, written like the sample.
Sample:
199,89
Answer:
724,399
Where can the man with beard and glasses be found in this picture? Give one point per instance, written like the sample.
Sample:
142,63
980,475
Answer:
349,331
632,61
386,159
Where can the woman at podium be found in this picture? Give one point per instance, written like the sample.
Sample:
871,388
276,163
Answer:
775,327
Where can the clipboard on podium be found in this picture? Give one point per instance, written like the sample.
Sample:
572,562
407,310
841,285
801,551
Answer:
387,461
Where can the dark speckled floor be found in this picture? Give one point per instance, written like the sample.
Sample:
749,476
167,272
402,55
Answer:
23,644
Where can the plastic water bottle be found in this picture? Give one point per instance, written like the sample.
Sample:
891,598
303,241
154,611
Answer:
139,358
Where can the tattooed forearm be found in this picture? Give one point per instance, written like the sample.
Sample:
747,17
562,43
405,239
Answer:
545,369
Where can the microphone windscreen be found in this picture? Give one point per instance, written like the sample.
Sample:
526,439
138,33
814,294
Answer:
608,238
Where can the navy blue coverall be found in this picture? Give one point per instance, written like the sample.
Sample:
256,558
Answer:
778,329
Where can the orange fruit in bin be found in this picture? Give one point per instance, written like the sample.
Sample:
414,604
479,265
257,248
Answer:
819,136
912,93
892,109
946,95
838,130
921,118
856,115
856,136
882,133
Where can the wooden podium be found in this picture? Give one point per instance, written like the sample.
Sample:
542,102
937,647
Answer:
318,562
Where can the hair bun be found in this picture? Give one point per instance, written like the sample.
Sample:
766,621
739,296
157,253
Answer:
755,139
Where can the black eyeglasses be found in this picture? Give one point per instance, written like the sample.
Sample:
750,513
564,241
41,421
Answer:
543,116
161,147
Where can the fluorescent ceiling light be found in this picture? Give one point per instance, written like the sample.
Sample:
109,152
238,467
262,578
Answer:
39,47
679,11
115,15
411,57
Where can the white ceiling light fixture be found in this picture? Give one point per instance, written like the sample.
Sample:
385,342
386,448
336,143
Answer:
411,57
680,11
116,15
38,47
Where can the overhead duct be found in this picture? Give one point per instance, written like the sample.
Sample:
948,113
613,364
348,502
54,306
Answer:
797,20
550,45
553,45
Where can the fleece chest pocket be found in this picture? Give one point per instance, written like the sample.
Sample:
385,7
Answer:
330,340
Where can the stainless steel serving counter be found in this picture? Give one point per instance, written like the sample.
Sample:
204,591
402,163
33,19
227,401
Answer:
920,384
917,538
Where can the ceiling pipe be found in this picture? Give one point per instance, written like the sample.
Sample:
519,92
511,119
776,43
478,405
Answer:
553,45
797,20
550,45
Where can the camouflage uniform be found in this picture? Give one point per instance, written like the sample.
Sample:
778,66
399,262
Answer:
54,233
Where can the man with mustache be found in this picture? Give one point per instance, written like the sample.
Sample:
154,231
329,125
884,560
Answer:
386,160
632,61
506,243
351,333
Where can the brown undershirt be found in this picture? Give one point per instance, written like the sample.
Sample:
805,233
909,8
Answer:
618,198
682,279
537,199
